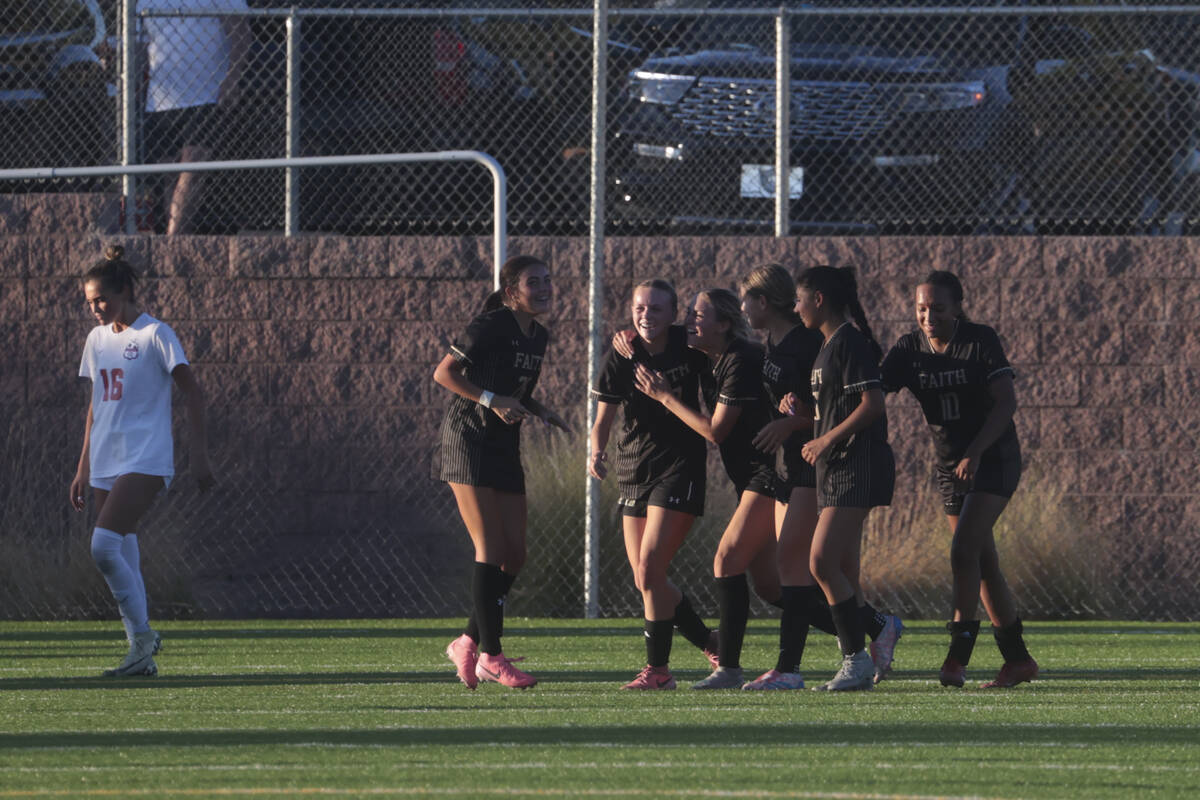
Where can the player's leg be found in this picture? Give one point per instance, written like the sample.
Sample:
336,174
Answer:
836,542
662,535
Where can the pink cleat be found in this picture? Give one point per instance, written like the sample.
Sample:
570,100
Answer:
464,653
652,678
883,648
500,669
712,650
953,673
1012,673
774,679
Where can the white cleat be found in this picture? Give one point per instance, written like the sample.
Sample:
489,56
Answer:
856,674
140,659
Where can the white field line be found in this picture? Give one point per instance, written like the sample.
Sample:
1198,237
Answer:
503,792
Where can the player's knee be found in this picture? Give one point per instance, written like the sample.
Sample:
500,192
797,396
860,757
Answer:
105,552
964,555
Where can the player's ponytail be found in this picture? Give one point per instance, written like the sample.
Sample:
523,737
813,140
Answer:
840,289
950,282
113,272
510,278
729,309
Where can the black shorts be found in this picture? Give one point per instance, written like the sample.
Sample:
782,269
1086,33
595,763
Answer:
165,133
678,492
459,461
798,474
996,475
864,478
759,478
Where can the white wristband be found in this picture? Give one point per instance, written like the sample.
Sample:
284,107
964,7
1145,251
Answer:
485,398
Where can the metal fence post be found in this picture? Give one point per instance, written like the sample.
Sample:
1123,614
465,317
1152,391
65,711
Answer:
128,143
591,557
783,120
291,176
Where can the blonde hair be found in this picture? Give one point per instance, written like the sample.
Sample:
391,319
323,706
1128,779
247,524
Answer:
729,309
774,284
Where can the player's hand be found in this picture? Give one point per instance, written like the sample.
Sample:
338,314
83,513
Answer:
965,471
773,435
788,404
651,383
622,342
553,420
509,409
78,492
598,465
815,448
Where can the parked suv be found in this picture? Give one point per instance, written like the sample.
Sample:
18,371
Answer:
895,124
56,94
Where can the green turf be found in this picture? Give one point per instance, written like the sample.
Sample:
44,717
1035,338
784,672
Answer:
371,708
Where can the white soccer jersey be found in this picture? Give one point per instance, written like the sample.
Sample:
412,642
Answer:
131,397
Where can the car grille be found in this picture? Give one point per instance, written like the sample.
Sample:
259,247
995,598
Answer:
820,109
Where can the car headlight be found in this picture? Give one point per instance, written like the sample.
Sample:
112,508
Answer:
942,96
658,87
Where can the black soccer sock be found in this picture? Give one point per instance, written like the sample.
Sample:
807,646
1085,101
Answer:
817,609
778,601
1011,642
487,589
793,628
688,622
872,620
733,593
508,581
472,629
658,641
962,639
849,623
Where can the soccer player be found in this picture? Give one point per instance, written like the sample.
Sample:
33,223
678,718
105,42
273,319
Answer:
733,391
128,455
855,468
492,370
959,374
660,470
768,300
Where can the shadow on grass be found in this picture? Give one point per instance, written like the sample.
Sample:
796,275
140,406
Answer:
874,734
250,632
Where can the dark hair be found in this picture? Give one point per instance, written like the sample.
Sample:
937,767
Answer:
510,276
773,283
950,282
729,309
840,289
113,272
662,286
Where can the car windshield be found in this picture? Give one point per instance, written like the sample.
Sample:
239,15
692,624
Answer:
964,38
70,18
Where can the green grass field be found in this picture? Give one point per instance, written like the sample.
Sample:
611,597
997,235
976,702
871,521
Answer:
371,708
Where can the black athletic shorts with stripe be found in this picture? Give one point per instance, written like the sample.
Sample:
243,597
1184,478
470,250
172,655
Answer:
677,492
998,473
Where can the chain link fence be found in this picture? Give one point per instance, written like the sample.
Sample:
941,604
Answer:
903,117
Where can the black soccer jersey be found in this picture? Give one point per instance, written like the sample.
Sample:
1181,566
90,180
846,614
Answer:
736,379
844,368
499,357
787,367
952,387
654,443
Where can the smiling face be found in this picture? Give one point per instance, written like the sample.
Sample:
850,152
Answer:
653,312
810,306
754,306
106,306
533,292
705,331
936,311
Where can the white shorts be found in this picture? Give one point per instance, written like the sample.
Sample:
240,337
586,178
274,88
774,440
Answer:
106,483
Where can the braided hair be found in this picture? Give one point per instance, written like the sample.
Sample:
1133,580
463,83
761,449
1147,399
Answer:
113,272
840,289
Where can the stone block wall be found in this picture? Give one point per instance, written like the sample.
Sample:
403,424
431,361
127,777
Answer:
316,354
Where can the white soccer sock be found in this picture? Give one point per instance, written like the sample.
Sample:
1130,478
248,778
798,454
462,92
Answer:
123,581
133,557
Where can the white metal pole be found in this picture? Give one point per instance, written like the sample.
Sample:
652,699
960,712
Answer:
783,119
591,579
129,61
291,176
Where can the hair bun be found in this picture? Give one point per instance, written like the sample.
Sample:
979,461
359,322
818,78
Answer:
114,252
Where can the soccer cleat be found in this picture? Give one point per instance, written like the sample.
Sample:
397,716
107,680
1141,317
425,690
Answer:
953,673
712,650
464,653
652,678
722,678
500,669
857,673
883,647
1012,673
140,659
157,642
774,679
